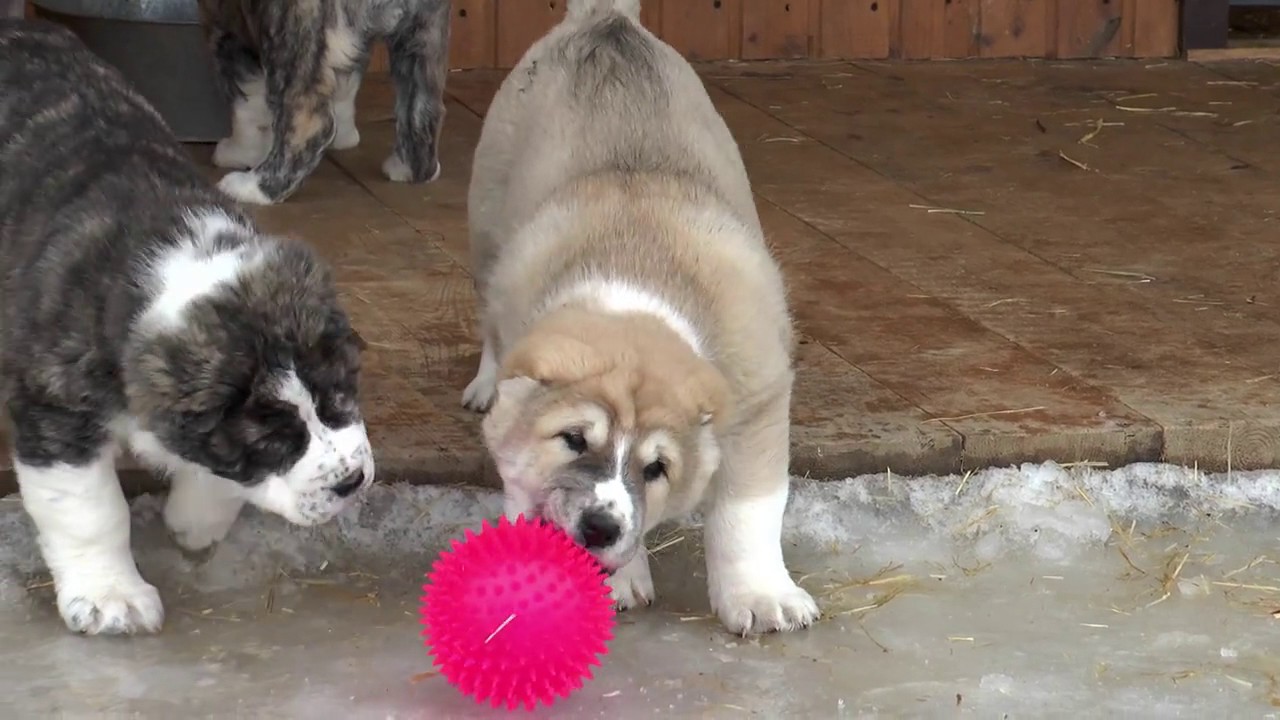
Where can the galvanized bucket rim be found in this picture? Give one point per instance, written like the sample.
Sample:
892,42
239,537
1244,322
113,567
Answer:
158,12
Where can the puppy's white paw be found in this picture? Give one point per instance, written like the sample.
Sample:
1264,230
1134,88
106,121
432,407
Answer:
397,170
346,138
243,186
238,154
198,515
632,585
747,607
479,393
110,604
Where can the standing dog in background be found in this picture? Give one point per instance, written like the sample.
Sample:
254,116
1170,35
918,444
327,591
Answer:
637,340
292,69
141,309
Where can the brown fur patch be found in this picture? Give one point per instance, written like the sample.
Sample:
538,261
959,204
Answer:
633,364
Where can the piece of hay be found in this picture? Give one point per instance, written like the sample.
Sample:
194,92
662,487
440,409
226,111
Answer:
1075,162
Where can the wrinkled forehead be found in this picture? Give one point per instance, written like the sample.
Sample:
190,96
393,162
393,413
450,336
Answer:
611,435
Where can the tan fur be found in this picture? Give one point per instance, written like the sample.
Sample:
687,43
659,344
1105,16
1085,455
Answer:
559,223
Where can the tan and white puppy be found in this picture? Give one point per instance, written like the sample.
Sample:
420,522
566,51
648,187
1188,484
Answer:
637,341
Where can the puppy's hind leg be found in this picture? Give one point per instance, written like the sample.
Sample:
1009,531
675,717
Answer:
240,78
346,135
82,521
750,587
419,62
301,69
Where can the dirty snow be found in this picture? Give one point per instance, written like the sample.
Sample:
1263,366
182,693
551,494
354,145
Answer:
1037,591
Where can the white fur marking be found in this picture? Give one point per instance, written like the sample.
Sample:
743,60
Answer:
244,187
201,508
621,297
346,135
749,585
632,584
83,524
251,124
303,494
185,272
479,393
612,494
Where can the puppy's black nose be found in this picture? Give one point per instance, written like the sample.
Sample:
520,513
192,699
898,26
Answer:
598,530
350,485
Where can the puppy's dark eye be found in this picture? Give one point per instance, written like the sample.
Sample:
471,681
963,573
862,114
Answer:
654,470
574,440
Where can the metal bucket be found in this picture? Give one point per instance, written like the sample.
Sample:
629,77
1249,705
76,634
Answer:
159,47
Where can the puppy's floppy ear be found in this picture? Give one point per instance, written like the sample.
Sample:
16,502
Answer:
707,390
511,397
553,358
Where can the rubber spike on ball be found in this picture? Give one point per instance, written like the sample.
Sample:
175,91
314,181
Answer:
516,614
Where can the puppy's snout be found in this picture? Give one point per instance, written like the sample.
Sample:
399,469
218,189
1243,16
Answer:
348,486
598,529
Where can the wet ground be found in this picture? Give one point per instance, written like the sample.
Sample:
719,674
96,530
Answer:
1045,592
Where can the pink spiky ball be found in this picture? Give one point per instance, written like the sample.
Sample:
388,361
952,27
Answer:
516,614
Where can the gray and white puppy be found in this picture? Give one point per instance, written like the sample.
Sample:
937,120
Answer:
292,71
141,309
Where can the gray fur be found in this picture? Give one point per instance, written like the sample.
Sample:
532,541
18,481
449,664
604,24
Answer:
309,57
93,185
141,309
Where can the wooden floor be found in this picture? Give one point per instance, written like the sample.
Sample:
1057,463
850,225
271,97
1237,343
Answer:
990,262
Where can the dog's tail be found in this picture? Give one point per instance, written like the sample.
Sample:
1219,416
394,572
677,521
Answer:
583,9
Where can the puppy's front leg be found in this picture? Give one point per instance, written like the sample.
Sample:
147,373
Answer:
632,585
82,521
750,588
201,508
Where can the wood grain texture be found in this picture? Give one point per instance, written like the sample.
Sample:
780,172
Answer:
1092,29
703,29
1155,28
521,23
651,15
845,422
961,29
919,32
857,28
1197,370
473,34
775,29
1016,28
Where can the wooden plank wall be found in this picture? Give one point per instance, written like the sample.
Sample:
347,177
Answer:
495,33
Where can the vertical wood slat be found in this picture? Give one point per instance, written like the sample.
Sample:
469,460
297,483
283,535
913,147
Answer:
775,29
495,33
1092,28
472,38
702,29
473,34
857,28
520,23
961,29
919,30
1016,28
1155,28
651,15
